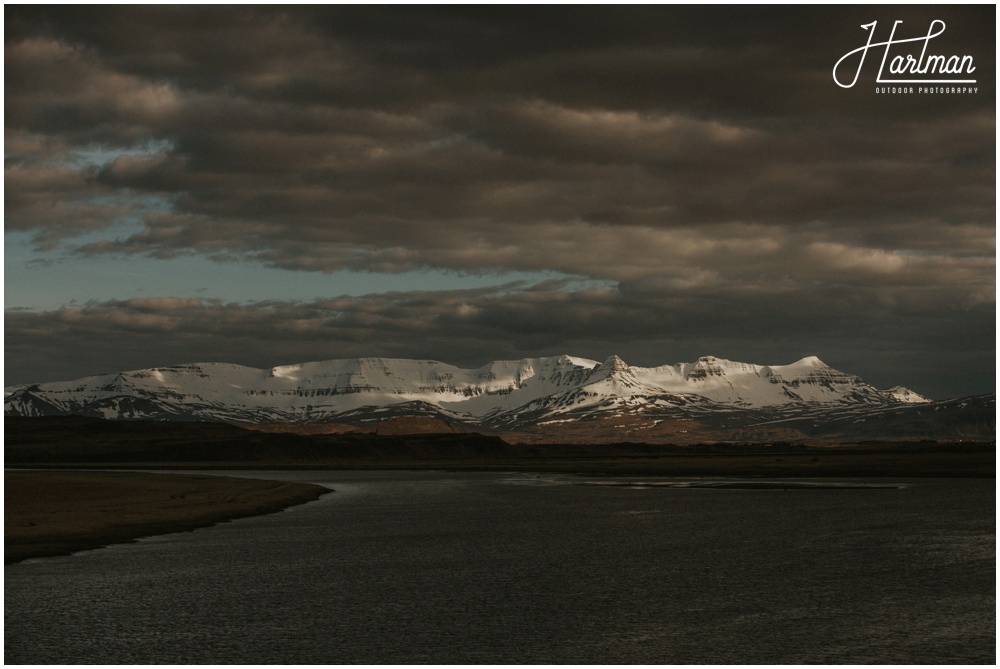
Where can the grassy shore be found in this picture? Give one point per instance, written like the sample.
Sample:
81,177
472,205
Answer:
50,513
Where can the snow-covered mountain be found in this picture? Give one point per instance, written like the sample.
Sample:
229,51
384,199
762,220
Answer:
512,394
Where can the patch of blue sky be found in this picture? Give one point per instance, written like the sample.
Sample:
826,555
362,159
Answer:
136,205
44,281
99,156
20,246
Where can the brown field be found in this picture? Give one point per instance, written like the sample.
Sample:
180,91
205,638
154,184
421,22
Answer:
58,512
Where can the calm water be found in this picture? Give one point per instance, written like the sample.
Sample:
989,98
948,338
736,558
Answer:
432,567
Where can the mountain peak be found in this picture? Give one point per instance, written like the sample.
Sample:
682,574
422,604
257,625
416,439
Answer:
809,361
614,364
904,394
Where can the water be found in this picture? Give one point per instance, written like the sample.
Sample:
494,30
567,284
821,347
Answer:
466,568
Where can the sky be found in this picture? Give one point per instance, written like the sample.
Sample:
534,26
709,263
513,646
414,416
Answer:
268,185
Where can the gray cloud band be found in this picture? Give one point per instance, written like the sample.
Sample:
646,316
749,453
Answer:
674,153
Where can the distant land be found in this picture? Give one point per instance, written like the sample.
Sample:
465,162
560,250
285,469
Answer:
559,399
64,442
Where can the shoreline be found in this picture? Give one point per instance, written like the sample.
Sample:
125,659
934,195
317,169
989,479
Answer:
51,513
969,462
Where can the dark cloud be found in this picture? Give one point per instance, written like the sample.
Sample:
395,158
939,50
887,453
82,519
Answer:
700,161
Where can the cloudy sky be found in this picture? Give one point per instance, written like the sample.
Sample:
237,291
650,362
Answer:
266,186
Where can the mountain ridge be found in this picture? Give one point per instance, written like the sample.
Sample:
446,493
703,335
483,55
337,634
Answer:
526,395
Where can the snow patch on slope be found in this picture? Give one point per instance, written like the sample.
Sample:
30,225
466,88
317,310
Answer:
501,390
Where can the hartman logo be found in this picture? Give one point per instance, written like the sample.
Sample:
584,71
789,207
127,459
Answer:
909,64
